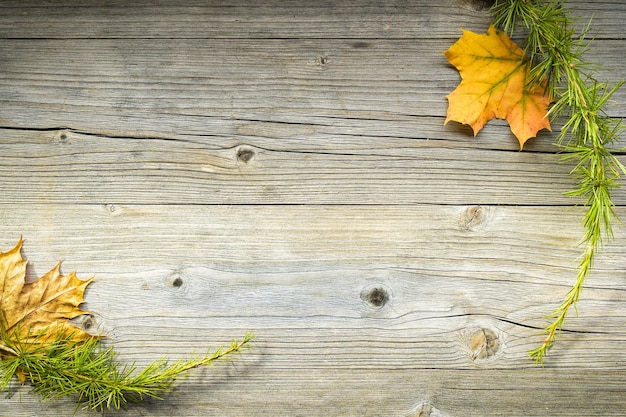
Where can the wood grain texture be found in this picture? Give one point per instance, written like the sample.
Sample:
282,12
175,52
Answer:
171,88
63,166
362,19
284,169
308,281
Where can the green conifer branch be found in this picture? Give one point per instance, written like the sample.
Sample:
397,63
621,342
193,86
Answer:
586,137
89,371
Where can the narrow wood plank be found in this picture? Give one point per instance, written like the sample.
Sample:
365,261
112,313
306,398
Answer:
365,393
67,167
356,307
263,19
233,391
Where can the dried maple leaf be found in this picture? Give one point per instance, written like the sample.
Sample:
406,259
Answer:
36,313
493,84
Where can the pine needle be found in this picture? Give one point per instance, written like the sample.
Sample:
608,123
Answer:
88,371
587,135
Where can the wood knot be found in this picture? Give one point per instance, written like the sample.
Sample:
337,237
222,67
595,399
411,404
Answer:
245,155
62,138
425,409
87,322
482,343
478,5
113,209
375,296
473,217
361,44
176,281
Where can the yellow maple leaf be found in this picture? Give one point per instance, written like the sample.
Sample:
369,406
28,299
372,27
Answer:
493,84
37,312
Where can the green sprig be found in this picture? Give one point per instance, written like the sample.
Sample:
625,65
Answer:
586,137
89,371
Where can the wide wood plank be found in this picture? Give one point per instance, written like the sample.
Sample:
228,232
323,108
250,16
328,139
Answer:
341,298
306,250
165,88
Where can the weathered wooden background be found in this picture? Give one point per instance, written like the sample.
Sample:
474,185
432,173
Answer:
282,167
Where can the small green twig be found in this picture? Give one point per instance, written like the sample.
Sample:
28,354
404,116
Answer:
89,371
586,137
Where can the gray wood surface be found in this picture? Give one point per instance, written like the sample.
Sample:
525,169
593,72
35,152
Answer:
283,168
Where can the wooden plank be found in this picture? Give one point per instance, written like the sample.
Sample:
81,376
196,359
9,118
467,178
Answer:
368,393
227,392
362,19
263,19
362,310
135,84
63,166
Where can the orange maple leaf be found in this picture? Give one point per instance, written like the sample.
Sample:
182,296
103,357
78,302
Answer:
493,84
37,312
